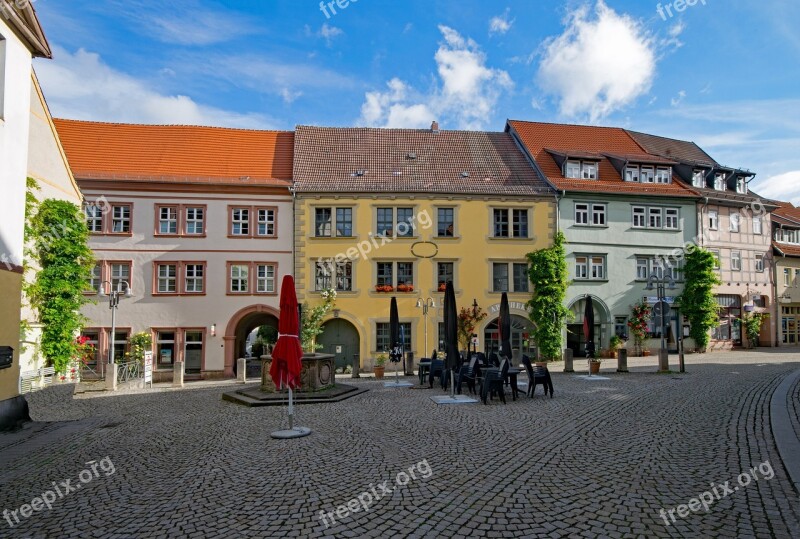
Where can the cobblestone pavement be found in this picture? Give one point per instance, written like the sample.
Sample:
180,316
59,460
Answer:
602,458
794,411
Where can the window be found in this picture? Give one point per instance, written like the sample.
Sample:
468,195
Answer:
344,276
167,220
405,273
663,175
120,345
639,217
760,263
671,219
581,214
386,221
386,272
120,271
647,175
265,278
589,171
92,339
500,223
573,169
787,277
120,219
344,222
642,269
445,224
654,217
405,222
383,335
621,326
165,348
445,271
500,277
757,225
95,280
403,227
521,278
266,222
195,221
167,278
719,181
240,222
322,222
598,267
736,261
735,222
598,214
239,278
741,185
713,220
716,258
194,278
193,351
581,267
699,178
94,218
632,174
519,222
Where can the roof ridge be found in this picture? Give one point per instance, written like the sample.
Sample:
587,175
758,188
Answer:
563,124
399,129
191,126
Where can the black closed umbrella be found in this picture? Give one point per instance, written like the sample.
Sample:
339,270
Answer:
396,350
588,327
451,332
505,328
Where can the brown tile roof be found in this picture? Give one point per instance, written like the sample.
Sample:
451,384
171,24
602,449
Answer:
788,249
177,153
542,139
680,150
367,160
787,212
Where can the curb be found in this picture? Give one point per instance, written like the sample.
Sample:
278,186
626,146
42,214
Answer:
786,439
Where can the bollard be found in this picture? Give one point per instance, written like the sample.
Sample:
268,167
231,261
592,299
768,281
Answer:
622,360
568,360
177,374
663,360
241,369
409,363
111,376
356,366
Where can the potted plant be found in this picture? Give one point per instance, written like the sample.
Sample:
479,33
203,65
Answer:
594,364
379,369
616,343
640,315
442,287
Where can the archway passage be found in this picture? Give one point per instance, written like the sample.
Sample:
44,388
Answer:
521,331
240,326
340,338
575,339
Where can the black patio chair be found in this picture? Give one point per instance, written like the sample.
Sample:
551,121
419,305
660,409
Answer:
493,382
467,374
437,369
482,359
494,360
537,375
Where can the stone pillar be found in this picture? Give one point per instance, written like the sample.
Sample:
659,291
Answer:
568,360
241,370
356,366
409,364
177,374
622,360
111,376
663,360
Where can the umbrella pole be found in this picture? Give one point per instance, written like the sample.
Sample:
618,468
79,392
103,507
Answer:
291,409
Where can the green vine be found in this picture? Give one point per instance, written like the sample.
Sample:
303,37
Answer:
550,278
57,240
698,302
140,343
311,320
751,323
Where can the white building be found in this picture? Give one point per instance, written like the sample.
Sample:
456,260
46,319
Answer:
21,39
198,221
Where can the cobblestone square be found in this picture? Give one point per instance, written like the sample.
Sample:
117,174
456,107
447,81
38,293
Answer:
601,458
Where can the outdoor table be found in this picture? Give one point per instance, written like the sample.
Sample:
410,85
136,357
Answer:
424,369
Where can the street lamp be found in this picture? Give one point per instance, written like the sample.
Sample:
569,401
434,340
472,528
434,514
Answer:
113,302
474,338
662,309
425,305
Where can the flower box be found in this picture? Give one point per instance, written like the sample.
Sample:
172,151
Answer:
405,288
384,288
442,287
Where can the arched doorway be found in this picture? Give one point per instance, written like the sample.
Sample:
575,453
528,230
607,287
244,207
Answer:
340,338
575,339
239,327
521,331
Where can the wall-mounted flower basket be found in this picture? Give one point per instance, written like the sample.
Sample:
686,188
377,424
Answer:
442,287
384,288
405,288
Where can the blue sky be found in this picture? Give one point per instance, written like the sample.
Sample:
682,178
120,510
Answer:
724,73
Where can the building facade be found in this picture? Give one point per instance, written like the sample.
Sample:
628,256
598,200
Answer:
21,39
394,212
786,246
625,218
734,224
197,223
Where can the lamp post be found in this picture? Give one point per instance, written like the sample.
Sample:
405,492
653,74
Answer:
660,284
114,295
425,305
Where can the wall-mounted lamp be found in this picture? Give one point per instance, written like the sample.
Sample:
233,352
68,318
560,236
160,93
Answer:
213,330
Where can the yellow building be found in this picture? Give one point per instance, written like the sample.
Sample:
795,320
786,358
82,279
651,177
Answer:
396,212
786,246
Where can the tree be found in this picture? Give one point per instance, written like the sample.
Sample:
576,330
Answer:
468,320
698,302
59,244
311,320
550,278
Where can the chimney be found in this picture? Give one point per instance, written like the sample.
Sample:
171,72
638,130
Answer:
435,126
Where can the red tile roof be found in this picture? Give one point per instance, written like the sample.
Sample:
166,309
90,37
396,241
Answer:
788,249
110,151
543,138
366,160
787,212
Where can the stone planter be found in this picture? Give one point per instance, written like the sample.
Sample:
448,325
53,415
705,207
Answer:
317,373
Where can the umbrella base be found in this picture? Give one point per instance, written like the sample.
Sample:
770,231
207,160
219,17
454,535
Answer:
297,432
458,399
397,384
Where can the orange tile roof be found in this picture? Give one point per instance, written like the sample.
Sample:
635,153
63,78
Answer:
541,139
788,249
109,151
787,211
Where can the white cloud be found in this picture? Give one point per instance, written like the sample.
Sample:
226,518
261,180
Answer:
677,100
81,86
289,96
466,92
501,23
599,64
784,187
326,32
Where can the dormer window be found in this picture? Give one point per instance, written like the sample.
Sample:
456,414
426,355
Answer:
741,185
577,170
699,178
647,175
719,181
663,175
631,174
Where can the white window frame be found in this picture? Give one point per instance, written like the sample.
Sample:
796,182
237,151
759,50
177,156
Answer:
672,216
655,213
647,175
265,284
572,170
641,213
243,221
94,218
582,214
599,210
167,282
582,268
194,278
758,225
719,181
713,220
699,178
642,268
267,222
663,175
736,261
239,273
632,173
759,263
597,268
589,170
168,220
735,222
195,217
